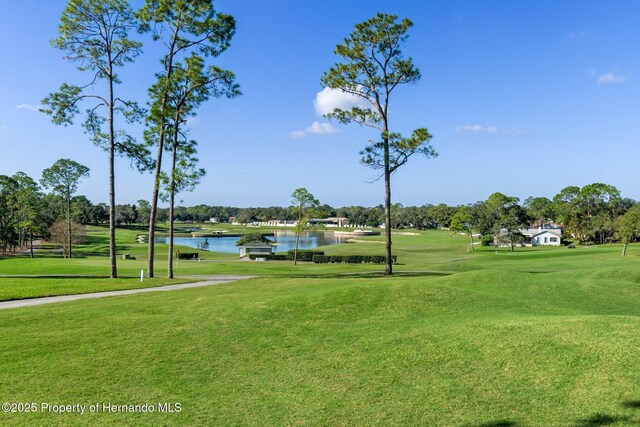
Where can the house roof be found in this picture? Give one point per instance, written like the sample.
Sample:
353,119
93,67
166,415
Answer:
532,232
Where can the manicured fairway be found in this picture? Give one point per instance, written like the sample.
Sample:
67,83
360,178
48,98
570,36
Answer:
535,338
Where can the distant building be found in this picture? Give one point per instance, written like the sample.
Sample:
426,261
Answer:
546,235
277,223
542,236
213,220
330,222
255,248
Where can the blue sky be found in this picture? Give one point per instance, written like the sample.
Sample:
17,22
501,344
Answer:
524,98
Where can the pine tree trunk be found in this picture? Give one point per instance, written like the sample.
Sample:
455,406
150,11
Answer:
156,182
387,204
298,231
154,206
473,249
112,189
172,192
69,224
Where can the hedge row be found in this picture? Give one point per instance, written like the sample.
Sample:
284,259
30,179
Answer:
269,257
303,255
352,259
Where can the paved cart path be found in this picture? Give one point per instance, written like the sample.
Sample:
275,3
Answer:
210,280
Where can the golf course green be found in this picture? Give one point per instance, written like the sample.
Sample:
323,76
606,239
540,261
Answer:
538,337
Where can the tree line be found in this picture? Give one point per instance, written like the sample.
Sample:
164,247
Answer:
594,214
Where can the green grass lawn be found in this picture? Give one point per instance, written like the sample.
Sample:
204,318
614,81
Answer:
539,337
22,287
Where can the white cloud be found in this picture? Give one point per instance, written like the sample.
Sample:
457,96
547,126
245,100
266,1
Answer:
29,107
297,133
608,78
315,128
476,128
488,129
328,99
578,34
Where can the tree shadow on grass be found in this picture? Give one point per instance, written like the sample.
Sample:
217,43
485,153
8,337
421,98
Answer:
631,404
499,423
600,419
366,275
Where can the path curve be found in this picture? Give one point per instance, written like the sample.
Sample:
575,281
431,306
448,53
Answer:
211,280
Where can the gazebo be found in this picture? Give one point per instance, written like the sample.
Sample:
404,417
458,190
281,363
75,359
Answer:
255,248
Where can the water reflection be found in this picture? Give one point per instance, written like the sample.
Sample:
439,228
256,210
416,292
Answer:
284,240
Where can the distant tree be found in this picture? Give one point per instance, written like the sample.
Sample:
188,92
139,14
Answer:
144,209
588,213
628,227
441,214
303,205
126,214
508,226
81,209
462,222
184,27
565,208
63,178
99,214
94,34
539,209
373,68
28,199
8,226
251,238
59,233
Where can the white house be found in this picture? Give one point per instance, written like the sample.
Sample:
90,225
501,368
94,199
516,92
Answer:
542,236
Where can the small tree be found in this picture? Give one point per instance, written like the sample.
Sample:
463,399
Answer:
63,179
251,237
59,233
508,228
373,68
462,221
628,227
29,205
303,206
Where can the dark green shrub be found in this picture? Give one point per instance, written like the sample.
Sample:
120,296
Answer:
352,259
187,255
269,257
486,240
303,255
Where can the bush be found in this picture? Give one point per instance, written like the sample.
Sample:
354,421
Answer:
303,255
486,240
269,257
187,255
352,259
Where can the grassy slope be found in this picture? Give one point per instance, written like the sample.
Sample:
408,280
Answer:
543,337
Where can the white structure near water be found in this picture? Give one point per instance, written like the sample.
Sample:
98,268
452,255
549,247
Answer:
255,248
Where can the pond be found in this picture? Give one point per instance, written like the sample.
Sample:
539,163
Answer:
284,240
